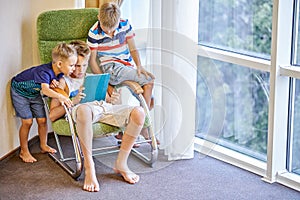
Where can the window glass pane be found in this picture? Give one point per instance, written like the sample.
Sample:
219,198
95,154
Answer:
296,48
242,26
236,99
295,142
294,134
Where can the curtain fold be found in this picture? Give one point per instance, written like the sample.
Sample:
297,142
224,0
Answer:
179,60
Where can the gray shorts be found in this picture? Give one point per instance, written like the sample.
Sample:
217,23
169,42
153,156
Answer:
28,108
115,115
119,73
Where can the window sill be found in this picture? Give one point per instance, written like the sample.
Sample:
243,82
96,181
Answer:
289,179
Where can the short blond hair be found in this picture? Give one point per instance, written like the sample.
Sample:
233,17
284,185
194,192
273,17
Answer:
82,48
109,15
63,52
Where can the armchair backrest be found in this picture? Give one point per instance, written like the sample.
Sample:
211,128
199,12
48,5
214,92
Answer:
57,26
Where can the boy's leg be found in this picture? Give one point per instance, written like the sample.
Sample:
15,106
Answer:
147,94
85,134
133,129
22,108
25,154
148,98
43,134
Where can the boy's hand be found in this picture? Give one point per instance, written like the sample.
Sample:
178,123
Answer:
65,101
54,84
79,96
115,97
141,70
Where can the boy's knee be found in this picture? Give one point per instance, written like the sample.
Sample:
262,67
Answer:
138,116
27,122
148,86
42,121
83,113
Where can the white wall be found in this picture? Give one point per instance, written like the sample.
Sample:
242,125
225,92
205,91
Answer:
19,51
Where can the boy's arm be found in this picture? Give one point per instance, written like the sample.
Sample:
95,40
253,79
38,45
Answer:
61,87
56,110
93,63
134,52
136,58
51,93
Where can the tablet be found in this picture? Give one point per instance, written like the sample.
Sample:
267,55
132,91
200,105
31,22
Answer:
95,87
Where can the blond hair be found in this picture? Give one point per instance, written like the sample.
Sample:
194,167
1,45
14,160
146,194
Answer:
109,15
63,52
119,2
82,48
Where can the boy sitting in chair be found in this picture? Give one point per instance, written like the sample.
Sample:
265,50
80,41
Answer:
85,114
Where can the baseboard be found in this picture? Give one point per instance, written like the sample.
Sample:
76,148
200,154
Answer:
15,151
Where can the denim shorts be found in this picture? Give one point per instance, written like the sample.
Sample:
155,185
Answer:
119,73
28,108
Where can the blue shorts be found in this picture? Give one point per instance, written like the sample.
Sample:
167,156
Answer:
27,108
119,73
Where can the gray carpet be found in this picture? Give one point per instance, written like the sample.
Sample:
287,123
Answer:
198,178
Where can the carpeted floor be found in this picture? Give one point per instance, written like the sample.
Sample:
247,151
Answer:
198,178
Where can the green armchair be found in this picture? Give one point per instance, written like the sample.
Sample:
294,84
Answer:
57,26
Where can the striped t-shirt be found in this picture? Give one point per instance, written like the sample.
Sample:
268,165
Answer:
113,49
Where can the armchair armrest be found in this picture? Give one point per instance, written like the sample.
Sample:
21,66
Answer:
135,87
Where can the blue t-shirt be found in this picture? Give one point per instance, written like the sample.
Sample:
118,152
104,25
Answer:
28,82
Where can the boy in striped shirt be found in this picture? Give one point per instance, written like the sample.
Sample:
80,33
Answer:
111,40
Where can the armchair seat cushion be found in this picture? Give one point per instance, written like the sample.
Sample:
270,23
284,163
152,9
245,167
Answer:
61,127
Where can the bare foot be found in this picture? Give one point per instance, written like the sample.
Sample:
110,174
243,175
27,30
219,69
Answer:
27,157
90,181
128,175
47,149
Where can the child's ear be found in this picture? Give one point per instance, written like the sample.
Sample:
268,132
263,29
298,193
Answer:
58,64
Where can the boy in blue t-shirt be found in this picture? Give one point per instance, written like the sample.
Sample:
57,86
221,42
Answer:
27,100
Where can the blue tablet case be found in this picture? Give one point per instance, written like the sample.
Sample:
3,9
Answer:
95,87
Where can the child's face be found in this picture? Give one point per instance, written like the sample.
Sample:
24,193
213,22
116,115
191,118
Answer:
80,67
67,66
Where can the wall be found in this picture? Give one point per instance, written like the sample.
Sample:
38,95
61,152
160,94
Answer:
19,51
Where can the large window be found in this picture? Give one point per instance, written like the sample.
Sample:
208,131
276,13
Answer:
242,27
